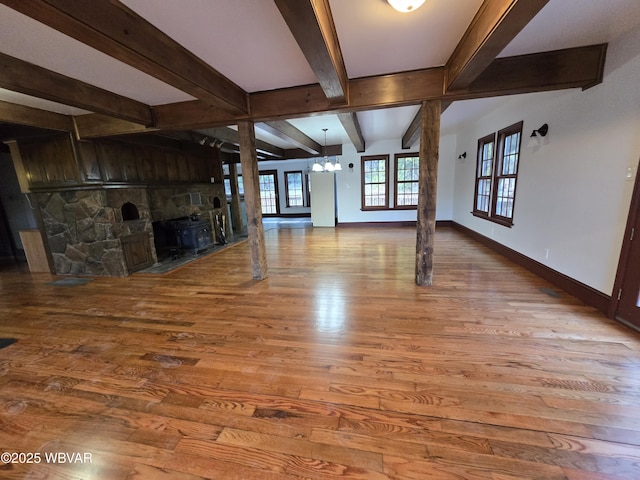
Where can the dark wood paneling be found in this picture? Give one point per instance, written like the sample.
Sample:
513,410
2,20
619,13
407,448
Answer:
110,163
50,161
137,251
88,161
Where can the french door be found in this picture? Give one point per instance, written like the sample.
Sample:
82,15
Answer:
627,286
269,192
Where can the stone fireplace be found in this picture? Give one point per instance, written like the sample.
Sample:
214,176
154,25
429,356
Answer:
89,230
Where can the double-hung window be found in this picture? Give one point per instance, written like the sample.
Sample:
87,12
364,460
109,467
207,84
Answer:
407,168
375,182
496,175
293,189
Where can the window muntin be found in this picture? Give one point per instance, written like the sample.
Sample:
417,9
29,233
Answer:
293,189
497,174
407,169
375,182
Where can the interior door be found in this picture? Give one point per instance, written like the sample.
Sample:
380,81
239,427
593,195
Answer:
269,192
628,278
629,305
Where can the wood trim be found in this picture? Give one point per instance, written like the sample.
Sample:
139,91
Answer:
291,215
585,293
366,158
396,157
115,29
20,76
495,25
625,251
402,223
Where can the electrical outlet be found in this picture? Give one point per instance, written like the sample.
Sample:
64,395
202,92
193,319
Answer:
630,174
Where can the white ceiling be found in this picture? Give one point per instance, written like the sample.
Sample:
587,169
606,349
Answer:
249,42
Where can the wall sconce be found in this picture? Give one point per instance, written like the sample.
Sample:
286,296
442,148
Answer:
351,167
535,140
462,156
543,130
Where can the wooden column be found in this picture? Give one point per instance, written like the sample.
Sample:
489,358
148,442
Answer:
236,207
429,146
251,180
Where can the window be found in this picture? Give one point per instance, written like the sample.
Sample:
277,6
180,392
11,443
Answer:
484,173
269,192
227,186
496,175
293,189
407,169
375,182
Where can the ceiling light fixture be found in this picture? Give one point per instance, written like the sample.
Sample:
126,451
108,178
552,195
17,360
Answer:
405,6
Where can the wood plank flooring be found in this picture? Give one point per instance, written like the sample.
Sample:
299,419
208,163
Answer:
335,367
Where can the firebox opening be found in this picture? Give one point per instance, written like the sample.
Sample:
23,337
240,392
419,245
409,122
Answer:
129,212
216,202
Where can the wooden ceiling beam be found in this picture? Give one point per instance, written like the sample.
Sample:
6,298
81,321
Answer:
311,24
19,76
495,25
119,32
351,125
412,133
34,117
287,132
579,67
94,125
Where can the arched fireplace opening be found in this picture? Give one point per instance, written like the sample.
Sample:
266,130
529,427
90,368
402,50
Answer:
129,212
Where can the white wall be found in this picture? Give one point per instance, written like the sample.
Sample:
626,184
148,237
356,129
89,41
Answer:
349,182
573,194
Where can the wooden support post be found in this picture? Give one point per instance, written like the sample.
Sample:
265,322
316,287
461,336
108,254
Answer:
236,207
427,191
251,180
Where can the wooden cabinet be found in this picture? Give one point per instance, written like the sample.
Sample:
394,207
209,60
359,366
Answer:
137,251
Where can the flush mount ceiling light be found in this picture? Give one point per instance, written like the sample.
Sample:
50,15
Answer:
405,5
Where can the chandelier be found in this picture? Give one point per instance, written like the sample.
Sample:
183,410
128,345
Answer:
326,165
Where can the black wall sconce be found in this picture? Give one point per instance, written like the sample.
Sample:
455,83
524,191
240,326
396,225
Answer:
542,131
462,156
351,167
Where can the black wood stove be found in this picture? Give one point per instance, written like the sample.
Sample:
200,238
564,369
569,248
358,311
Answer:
184,234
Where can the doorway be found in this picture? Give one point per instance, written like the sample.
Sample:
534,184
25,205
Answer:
269,192
626,292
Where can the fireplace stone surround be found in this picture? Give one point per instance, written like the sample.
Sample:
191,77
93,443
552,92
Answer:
85,229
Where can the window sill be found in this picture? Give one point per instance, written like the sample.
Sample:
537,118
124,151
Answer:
500,221
384,209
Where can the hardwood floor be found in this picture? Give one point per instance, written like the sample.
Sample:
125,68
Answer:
336,366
